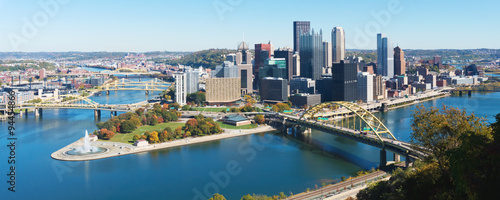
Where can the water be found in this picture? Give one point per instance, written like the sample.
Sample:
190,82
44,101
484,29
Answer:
267,163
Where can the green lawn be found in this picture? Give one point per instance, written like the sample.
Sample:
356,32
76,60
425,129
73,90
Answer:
127,138
203,109
227,126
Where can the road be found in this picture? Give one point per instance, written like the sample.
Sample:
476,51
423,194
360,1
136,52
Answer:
322,192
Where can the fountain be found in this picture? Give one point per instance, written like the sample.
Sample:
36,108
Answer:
86,148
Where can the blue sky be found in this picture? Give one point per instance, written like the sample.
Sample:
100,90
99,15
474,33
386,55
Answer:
190,25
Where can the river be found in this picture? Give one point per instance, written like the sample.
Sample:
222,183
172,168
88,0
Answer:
262,163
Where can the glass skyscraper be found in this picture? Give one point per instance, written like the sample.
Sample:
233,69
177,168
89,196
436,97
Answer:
385,53
299,28
311,55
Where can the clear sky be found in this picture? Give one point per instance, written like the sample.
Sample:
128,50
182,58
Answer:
190,25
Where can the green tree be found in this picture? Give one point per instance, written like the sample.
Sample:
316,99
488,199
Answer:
217,197
127,126
439,130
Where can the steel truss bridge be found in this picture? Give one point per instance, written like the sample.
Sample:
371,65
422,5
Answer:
124,84
356,124
74,102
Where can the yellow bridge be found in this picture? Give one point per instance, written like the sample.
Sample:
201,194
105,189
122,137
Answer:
74,102
123,84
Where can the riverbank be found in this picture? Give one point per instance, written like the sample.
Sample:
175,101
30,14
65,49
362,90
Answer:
118,149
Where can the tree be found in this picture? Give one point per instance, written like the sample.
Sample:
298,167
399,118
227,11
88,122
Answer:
127,126
259,119
217,197
275,108
439,130
153,137
247,197
164,136
136,137
178,132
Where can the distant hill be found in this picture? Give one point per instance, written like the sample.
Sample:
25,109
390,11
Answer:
206,58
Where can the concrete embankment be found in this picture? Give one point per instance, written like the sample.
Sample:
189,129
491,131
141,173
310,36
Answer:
114,149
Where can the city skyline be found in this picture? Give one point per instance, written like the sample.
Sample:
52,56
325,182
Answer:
173,26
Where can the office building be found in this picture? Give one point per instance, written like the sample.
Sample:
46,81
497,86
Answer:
231,58
311,55
42,73
365,87
344,81
287,54
296,64
245,74
262,53
399,61
180,88
275,67
338,44
226,70
379,88
223,91
301,100
243,55
299,28
385,53
324,87
360,63
274,89
96,81
327,54
431,79
302,85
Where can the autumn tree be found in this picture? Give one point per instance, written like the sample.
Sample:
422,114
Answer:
259,119
153,138
136,137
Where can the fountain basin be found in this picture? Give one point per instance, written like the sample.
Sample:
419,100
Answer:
78,152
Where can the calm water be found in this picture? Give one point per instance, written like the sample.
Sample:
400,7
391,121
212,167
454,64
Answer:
265,163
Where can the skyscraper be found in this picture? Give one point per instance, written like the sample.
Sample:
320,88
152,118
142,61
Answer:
299,28
344,81
287,54
365,86
260,58
243,56
385,53
338,44
180,88
399,61
296,64
192,80
311,55
327,54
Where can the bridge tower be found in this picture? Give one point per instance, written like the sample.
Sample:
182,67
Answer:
97,114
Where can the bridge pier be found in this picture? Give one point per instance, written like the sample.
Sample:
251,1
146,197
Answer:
383,158
397,158
407,160
459,93
147,92
21,113
470,93
37,112
97,114
107,92
26,112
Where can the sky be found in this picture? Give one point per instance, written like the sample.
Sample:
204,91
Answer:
192,25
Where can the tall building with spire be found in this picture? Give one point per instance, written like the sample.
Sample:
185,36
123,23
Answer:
299,28
311,54
338,44
243,56
399,61
385,56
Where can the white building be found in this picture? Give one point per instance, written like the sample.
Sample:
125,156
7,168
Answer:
180,88
365,86
141,143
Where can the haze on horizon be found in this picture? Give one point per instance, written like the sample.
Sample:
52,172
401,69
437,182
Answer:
132,26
